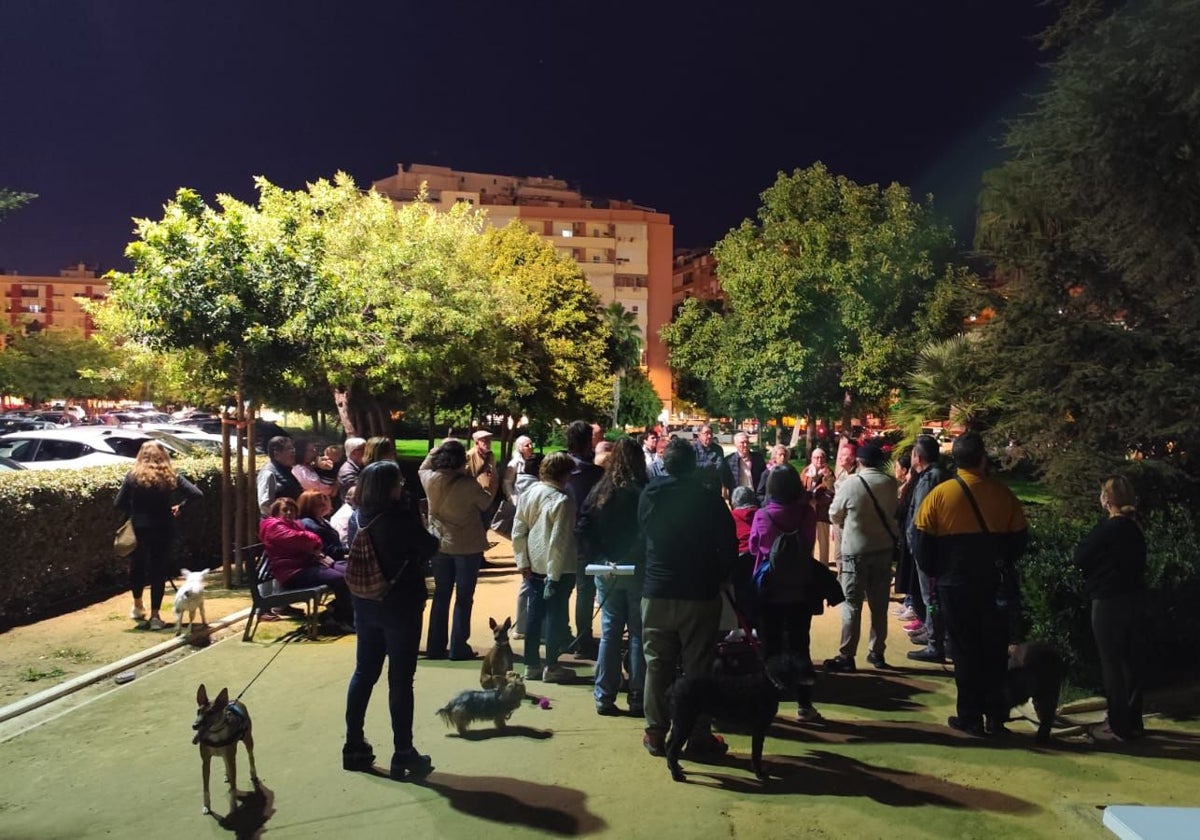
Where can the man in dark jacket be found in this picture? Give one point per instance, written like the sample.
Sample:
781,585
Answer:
711,470
580,483
969,531
746,466
690,546
929,475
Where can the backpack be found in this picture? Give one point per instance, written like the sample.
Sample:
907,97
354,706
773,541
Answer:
785,574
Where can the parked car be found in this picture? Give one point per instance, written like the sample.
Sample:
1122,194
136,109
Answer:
85,446
9,465
264,430
58,418
9,424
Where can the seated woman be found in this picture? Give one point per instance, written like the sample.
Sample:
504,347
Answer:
297,561
315,508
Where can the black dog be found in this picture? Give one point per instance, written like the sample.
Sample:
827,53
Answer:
751,700
1035,671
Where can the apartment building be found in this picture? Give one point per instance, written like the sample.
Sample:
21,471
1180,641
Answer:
34,303
695,275
625,250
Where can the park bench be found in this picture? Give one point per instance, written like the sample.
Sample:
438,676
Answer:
266,596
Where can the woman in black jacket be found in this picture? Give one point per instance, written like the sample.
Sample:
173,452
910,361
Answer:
148,497
390,628
607,530
1113,561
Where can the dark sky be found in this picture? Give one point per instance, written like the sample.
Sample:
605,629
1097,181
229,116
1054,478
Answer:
108,106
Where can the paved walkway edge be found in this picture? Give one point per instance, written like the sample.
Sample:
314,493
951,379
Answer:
61,690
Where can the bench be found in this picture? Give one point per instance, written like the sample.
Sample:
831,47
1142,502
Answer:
255,558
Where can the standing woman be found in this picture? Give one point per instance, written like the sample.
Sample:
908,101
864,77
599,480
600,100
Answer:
456,503
607,530
390,628
147,496
1113,561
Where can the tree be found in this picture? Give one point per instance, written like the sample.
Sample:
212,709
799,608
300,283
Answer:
827,292
946,385
640,404
624,348
10,201
1095,220
56,363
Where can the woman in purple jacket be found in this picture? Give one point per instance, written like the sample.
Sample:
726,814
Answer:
785,610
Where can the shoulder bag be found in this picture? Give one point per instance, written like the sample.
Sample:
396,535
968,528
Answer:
364,576
1008,590
125,542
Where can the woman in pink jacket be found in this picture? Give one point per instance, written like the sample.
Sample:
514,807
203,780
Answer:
297,561
783,609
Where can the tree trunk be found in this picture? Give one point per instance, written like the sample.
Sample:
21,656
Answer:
341,401
432,420
810,441
847,407
795,442
227,556
778,428
616,412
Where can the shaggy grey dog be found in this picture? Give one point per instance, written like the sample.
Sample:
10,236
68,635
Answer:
494,704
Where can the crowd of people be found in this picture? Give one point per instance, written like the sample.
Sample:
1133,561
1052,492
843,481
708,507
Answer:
680,532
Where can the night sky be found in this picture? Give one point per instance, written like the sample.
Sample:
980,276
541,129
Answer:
107,107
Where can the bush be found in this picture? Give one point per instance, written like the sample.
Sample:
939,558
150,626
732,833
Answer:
65,521
1056,611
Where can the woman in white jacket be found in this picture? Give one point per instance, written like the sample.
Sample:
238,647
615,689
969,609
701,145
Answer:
544,548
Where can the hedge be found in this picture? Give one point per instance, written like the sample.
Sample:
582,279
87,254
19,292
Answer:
63,522
1056,611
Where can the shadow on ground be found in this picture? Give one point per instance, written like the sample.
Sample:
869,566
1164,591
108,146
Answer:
254,809
881,691
506,732
550,808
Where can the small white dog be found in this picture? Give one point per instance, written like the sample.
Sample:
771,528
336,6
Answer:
190,598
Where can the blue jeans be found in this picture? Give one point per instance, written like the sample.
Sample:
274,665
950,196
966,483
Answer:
552,612
451,571
384,631
620,607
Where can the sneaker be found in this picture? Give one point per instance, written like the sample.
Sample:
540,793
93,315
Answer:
533,673
973,728
157,624
1102,733
926,654
607,709
655,742
840,664
516,634
914,626
637,710
410,766
557,674
138,613
807,714
877,660
908,614
358,757
921,637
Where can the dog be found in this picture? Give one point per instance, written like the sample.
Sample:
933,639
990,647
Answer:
494,704
1035,672
189,599
219,726
751,700
498,661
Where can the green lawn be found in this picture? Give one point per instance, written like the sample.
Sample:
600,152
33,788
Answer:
1028,491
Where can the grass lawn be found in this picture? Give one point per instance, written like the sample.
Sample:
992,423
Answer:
1028,491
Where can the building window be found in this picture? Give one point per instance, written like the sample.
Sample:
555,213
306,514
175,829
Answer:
33,307
567,233
26,291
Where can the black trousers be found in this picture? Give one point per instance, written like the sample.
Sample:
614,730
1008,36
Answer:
1114,624
980,632
787,628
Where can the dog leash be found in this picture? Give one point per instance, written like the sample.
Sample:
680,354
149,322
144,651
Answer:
286,642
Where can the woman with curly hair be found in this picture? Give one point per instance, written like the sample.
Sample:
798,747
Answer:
607,531
148,498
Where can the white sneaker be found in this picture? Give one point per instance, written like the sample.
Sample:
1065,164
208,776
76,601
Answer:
157,624
907,614
137,613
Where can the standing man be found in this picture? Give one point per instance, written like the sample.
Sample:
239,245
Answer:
650,449
275,479
690,546
865,510
746,466
969,530
347,475
580,482
928,476
481,462
818,481
711,470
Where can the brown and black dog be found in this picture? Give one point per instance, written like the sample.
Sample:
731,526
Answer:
219,726
1035,672
498,661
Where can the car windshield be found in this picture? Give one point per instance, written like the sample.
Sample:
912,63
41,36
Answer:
19,449
177,444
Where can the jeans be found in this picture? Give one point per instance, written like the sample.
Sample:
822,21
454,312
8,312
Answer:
585,603
620,607
522,607
865,577
1114,624
548,612
451,571
675,632
384,631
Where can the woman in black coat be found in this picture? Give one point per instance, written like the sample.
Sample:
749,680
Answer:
389,629
148,497
1113,561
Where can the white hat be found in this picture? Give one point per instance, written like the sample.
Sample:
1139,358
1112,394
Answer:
481,434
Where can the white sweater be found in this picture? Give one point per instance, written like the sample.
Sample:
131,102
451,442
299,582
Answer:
543,537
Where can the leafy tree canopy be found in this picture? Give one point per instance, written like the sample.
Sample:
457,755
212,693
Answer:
10,201
56,363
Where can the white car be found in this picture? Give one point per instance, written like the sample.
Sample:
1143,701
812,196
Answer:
85,446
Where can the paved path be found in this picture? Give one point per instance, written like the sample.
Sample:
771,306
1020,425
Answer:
884,766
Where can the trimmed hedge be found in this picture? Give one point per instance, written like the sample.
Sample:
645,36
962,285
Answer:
63,523
1056,611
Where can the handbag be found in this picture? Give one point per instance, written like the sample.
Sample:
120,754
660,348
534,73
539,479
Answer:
125,542
364,576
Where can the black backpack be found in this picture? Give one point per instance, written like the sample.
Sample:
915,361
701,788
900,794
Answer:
786,572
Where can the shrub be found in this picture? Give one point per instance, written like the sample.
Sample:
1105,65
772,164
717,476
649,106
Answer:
64,522
1057,612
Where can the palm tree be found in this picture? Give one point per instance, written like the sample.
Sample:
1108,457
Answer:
624,346
945,385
